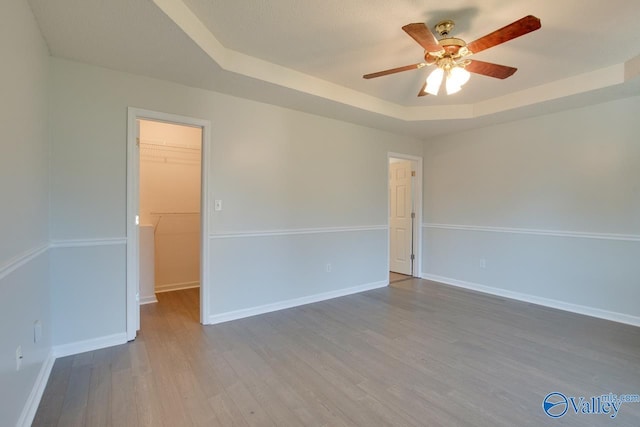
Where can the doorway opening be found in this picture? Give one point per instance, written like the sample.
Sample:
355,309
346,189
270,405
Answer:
169,209
405,216
167,232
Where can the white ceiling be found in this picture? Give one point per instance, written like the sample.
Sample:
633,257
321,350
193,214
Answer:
311,55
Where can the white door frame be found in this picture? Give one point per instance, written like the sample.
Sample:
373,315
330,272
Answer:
133,202
417,194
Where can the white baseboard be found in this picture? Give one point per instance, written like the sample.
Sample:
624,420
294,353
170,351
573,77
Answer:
547,302
281,305
33,401
148,300
89,345
169,287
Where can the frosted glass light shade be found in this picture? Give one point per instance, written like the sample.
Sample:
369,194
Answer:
459,75
452,86
434,81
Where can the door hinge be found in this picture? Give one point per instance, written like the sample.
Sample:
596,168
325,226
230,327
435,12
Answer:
413,173
413,215
138,142
413,257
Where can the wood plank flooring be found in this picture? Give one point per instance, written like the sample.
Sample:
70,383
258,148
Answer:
398,277
413,354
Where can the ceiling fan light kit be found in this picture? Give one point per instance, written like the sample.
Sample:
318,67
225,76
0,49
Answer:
454,72
449,54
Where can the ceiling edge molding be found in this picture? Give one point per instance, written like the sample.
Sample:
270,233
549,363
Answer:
632,68
248,66
583,83
239,63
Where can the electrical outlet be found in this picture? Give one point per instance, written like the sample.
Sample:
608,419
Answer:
483,263
18,358
328,267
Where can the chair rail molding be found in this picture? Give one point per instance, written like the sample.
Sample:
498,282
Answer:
295,231
537,232
21,259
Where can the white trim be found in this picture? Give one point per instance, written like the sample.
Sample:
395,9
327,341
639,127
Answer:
417,268
89,345
294,231
33,401
82,243
170,287
205,259
133,192
19,260
537,232
281,305
547,302
148,300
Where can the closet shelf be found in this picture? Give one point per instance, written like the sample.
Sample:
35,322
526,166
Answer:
155,145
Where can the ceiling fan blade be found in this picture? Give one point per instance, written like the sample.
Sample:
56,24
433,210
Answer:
394,70
489,69
515,29
422,92
425,38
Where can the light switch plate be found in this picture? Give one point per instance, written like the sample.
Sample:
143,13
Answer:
217,205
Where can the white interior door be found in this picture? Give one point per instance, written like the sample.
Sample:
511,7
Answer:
400,216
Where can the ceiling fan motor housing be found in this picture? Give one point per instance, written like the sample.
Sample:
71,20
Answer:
454,48
453,45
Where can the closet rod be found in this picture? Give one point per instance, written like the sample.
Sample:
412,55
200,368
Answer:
174,213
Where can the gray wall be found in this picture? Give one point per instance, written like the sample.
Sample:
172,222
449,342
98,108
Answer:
24,264
276,170
551,203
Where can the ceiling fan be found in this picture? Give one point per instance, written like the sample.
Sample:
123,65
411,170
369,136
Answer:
449,54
